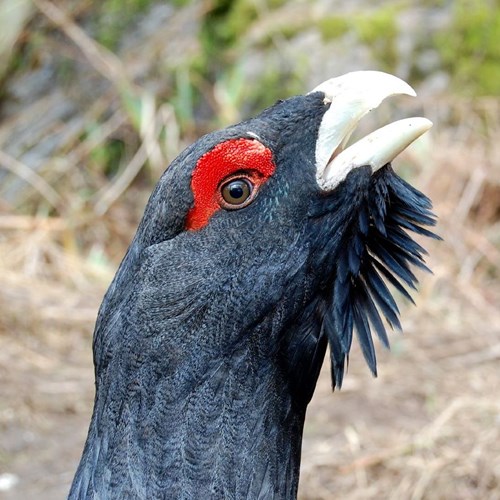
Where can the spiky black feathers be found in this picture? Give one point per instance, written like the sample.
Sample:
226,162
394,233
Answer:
375,215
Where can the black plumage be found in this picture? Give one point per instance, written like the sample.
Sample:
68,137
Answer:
209,342
375,246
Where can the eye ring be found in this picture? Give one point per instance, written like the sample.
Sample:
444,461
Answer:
236,191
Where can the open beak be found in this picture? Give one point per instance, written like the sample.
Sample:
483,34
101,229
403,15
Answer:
351,97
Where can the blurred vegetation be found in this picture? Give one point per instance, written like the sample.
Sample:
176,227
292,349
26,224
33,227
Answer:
470,47
229,31
377,30
111,19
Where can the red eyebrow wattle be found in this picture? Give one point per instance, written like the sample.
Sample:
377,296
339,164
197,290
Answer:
214,166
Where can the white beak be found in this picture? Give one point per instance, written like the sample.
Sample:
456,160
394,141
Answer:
351,97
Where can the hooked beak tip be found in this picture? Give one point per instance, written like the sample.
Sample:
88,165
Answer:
351,97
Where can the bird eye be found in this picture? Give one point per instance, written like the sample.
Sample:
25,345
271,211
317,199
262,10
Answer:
236,193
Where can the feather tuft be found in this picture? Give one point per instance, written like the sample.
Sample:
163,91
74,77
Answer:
378,250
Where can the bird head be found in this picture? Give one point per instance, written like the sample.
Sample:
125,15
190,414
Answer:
261,244
274,221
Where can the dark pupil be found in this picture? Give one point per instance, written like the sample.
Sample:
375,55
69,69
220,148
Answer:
236,192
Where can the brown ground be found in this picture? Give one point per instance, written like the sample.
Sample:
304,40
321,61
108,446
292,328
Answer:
428,427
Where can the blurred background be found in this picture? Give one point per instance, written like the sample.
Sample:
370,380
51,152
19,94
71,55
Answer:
97,98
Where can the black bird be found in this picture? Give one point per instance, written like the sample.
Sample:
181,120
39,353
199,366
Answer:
261,244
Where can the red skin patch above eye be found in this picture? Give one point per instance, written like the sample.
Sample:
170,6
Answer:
246,155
